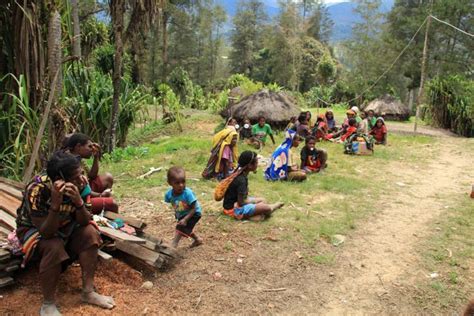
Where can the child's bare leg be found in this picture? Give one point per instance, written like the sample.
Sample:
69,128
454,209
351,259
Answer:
176,239
266,209
197,241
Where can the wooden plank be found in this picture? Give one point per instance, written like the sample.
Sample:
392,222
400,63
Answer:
5,231
150,257
9,203
6,281
15,184
5,255
7,219
119,235
11,191
104,256
134,222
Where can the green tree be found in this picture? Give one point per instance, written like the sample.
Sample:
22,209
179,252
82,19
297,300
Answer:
246,36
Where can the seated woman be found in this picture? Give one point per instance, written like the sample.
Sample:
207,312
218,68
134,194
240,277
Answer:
82,147
53,225
303,128
379,131
320,130
312,159
223,154
237,203
331,122
283,165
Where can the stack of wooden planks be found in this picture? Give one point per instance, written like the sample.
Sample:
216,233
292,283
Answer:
10,200
148,249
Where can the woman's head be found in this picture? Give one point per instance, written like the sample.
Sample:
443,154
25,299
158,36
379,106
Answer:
81,145
303,119
352,122
363,115
380,122
371,113
350,114
64,166
231,121
248,160
308,115
329,115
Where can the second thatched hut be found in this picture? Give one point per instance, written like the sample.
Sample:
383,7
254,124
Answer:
389,108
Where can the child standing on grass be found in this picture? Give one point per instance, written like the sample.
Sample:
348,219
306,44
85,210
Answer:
185,204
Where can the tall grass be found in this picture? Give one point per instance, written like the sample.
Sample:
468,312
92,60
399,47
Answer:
19,124
88,98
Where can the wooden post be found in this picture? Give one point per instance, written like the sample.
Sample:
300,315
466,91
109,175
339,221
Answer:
420,98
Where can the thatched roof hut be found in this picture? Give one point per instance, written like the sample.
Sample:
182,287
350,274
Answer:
389,108
276,107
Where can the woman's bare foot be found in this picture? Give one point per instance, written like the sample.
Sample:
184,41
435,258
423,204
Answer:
49,309
196,243
96,299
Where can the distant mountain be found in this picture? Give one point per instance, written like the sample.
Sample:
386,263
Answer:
344,18
341,13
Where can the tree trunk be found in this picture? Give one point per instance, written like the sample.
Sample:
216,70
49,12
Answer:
117,9
76,39
56,131
165,44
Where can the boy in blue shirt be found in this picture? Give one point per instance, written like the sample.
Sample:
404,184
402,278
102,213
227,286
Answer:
185,204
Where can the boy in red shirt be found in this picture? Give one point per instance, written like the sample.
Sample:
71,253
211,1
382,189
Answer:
350,130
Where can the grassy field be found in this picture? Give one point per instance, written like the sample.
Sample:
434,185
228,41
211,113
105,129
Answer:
327,204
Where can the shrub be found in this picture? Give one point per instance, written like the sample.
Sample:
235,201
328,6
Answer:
451,104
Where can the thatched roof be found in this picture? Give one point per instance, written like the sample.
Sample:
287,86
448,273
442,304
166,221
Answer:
276,107
389,108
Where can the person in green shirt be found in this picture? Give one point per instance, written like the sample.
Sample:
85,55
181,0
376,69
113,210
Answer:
261,130
356,110
372,120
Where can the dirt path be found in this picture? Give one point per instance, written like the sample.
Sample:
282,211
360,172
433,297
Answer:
381,256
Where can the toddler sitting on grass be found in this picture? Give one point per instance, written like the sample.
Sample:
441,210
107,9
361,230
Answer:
185,204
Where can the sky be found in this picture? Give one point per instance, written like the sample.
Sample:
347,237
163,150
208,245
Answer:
275,2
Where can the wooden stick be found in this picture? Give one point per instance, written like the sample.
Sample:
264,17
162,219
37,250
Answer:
34,154
281,289
149,173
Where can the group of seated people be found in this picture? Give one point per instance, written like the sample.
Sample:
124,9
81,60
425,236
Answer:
283,164
326,127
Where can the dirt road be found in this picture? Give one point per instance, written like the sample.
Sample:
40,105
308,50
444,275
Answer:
381,258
